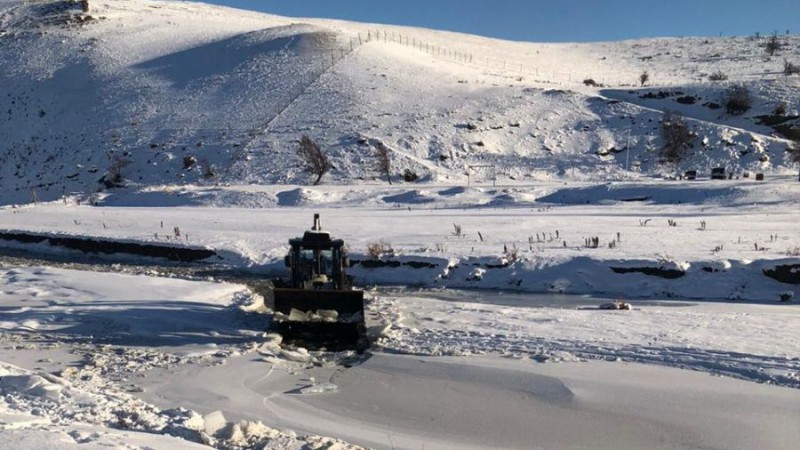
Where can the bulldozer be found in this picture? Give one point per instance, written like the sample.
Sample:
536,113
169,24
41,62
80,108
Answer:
317,305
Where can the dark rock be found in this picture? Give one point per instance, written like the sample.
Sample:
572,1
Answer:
787,273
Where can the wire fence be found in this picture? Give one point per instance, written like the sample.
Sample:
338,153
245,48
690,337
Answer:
520,69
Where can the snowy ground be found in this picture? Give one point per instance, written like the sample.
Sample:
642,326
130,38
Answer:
104,358
160,100
483,304
708,359
526,237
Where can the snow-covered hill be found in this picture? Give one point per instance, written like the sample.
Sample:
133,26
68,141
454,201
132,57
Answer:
186,93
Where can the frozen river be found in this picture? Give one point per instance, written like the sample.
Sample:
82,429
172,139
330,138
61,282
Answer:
400,401
448,369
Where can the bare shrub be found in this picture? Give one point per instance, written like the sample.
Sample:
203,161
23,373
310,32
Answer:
676,135
589,82
410,176
113,176
773,44
738,100
383,161
189,161
380,248
718,76
315,161
511,254
208,169
790,69
780,109
644,77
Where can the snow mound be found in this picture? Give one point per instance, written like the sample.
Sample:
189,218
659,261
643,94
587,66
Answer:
32,386
298,197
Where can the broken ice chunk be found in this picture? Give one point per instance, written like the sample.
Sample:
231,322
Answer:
319,388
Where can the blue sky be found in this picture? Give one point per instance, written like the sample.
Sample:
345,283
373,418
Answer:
555,20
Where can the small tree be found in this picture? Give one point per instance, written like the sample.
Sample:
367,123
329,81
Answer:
676,135
313,158
644,77
113,176
790,69
738,100
772,45
383,161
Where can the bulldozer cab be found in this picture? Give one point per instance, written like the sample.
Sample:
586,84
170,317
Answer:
317,267
316,261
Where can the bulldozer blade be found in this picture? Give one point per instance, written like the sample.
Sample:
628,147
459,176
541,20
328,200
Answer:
346,303
330,336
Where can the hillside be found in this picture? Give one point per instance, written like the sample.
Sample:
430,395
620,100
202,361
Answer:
173,93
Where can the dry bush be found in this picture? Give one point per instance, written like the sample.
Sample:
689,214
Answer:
511,254
790,69
738,100
208,169
718,76
410,176
189,161
383,161
315,161
113,176
380,248
644,77
676,135
772,45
